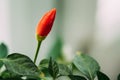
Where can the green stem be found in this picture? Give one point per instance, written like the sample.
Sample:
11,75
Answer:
37,51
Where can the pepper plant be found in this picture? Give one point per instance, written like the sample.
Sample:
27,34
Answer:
18,66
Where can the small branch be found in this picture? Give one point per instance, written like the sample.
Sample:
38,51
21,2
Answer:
37,51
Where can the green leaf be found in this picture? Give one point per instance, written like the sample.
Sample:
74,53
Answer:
63,78
12,79
102,76
47,78
44,63
32,79
75,70
87,65
43,67
53,68
64,70
3,52
21,65
118,77
76,77
7,75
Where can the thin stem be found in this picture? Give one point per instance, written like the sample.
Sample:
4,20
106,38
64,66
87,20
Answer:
37,51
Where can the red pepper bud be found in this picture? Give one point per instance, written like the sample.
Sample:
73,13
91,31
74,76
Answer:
45,24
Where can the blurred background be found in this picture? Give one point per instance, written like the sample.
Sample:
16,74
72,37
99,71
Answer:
90,26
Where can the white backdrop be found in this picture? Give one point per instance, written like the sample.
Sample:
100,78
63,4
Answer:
87,25
4,22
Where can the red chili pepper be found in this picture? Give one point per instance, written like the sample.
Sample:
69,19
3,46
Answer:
46,23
